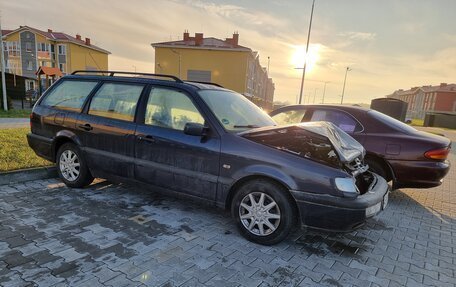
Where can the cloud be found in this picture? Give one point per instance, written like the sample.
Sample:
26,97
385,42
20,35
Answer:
363,36
264,23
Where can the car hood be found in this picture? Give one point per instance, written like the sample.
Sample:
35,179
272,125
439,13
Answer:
321,141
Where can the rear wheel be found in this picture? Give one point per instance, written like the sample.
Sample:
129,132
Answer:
71,166
263,211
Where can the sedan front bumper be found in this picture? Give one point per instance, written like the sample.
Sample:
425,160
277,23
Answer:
341,213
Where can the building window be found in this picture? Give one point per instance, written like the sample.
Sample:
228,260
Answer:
62,68
43,47
199,76
62,49
29,66
28,46
12,48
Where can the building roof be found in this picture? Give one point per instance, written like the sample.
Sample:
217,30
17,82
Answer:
209,43
443,87
49,71
57,36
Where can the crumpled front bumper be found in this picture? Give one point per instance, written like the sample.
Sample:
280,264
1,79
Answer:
341,213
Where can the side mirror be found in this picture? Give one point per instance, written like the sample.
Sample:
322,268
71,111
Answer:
195,129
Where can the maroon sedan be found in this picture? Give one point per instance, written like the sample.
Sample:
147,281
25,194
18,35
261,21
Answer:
396,151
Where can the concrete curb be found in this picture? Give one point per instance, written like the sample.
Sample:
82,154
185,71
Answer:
28,174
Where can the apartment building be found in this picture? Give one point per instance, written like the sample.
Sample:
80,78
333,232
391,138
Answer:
225,62
421,100
26,49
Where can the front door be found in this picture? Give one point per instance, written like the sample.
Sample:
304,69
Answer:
167,157
108,129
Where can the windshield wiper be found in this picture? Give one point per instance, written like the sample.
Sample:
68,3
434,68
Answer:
246,126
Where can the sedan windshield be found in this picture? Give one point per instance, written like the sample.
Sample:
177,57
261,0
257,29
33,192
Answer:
234,111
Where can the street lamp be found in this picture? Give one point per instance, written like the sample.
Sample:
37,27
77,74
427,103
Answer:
315,93
324,92
307,50
345,80
5,100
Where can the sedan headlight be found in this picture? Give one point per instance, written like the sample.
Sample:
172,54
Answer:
347,186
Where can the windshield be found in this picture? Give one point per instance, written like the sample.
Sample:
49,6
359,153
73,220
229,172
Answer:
392,122
234,111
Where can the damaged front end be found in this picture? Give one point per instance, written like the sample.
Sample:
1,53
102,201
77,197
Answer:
322,142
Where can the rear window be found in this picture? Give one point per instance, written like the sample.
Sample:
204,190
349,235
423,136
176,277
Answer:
391,122
69,95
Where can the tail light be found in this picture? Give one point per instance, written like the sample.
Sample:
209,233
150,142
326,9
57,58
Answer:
440,154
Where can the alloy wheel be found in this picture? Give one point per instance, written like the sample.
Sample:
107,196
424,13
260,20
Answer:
259,213
69,165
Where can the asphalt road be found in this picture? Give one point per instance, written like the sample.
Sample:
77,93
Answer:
7,123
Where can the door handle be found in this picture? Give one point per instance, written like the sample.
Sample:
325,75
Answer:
86,127
147,138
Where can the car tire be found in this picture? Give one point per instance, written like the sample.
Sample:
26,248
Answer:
263,211
377,168
71,166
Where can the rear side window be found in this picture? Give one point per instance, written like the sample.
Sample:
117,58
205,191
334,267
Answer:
171,109
116,101
343,120
289,117
69,95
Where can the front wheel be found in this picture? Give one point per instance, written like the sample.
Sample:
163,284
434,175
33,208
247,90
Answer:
263,212
71,166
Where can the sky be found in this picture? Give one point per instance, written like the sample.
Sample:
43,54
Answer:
387,44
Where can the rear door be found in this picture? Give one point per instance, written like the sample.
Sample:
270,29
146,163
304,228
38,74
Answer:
167,157
108,127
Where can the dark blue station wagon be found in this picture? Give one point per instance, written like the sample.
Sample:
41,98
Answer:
204,141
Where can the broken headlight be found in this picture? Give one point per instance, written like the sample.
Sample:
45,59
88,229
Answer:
347,186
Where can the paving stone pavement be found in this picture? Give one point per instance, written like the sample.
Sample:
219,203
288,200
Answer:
119,235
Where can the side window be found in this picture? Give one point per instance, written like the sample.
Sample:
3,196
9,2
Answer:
289,117
344,121
116,101
171,109
69,95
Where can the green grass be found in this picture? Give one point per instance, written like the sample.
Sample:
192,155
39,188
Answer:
15,113
15,152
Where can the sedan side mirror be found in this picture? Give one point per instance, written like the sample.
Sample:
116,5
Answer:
195,129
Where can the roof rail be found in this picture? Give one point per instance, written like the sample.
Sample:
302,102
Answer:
207,83
113,73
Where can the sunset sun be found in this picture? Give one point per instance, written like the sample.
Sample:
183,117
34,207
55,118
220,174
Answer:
299,56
